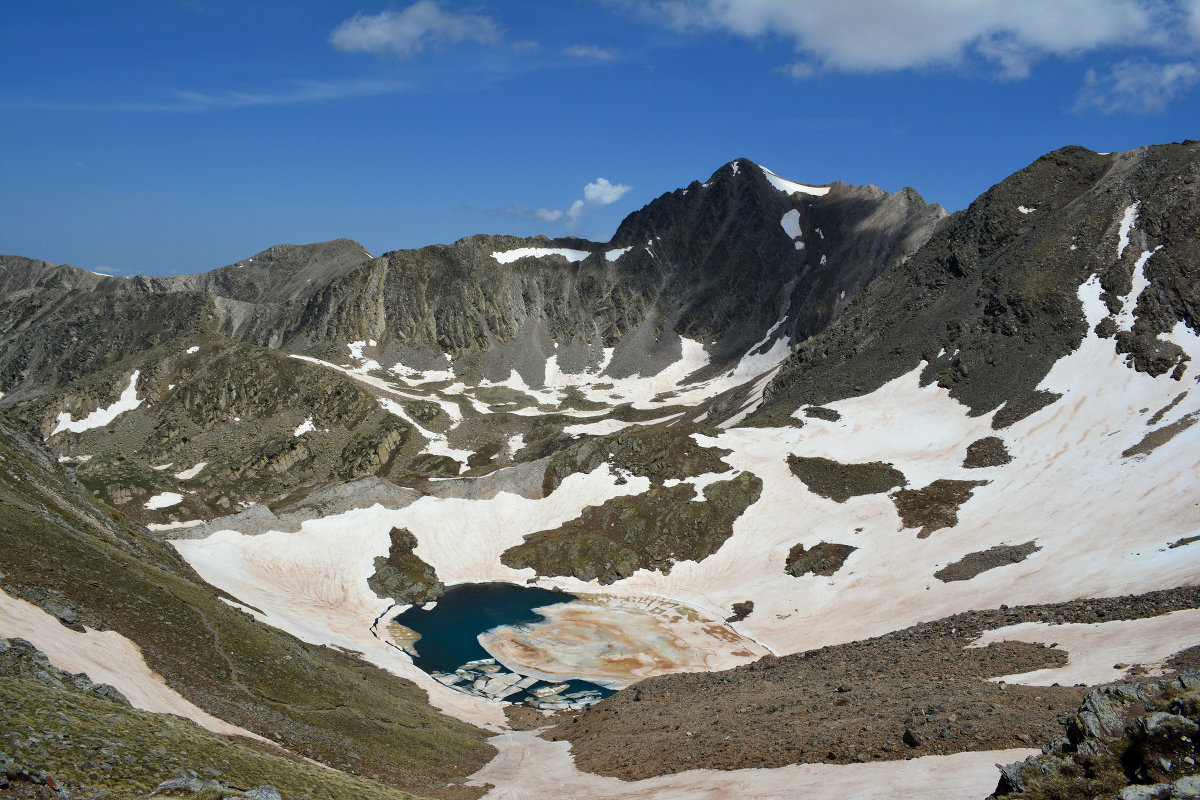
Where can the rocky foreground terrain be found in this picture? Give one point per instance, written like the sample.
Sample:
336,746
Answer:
858,499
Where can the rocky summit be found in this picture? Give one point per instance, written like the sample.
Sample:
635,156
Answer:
851,498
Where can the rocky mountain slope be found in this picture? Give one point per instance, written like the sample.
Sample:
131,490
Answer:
814,459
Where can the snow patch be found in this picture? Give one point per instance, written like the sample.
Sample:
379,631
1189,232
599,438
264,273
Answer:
1094,648
1127,223
106,657
509,256
1025,210
438,445
790,187
529,766
304,427
164,500
613,255
191,472
791,224
193,349
100,418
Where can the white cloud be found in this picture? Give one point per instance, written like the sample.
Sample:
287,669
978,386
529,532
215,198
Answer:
298,92
874,35
543,214
1136,85
1193,12
600,192
591,51
408,32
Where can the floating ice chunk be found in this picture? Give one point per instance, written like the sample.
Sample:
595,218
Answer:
99,418
509,256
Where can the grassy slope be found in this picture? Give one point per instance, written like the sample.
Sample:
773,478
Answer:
318,702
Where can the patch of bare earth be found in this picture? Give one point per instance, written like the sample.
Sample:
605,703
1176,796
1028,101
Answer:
973,564
914,692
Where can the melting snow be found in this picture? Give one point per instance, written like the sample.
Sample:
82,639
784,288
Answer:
438,445
99,418
509,256
106,657
613,255
193,349
1025,210
192,472
529,766
164,500
1094,649
304,427
791,224
1127,223
790,187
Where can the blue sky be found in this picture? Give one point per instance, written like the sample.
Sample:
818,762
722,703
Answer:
164,137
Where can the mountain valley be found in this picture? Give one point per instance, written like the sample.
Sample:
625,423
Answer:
853,496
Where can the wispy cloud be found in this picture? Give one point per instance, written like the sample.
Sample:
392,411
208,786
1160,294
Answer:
405,33
183,101
1137,86
591,51
598,193
542,214
880,35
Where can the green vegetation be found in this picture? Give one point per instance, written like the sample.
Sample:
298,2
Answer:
83,739
318,702
646,531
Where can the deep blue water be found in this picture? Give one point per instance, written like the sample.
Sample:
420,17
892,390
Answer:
449,631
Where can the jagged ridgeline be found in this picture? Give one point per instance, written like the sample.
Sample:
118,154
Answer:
230,369
991,302
825,422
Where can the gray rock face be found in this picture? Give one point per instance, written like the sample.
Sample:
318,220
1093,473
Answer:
1134,741
711,262
990,301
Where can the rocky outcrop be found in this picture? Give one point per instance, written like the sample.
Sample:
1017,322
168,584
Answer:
1137,741
935,506
646,531
823,558
402,575
839,482
973,564
656,452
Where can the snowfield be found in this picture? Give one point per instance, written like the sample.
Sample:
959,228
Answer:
1101,504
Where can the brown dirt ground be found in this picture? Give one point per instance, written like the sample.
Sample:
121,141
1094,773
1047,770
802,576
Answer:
850,702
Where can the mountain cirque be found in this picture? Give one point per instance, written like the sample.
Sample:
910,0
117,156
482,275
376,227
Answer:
846,488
